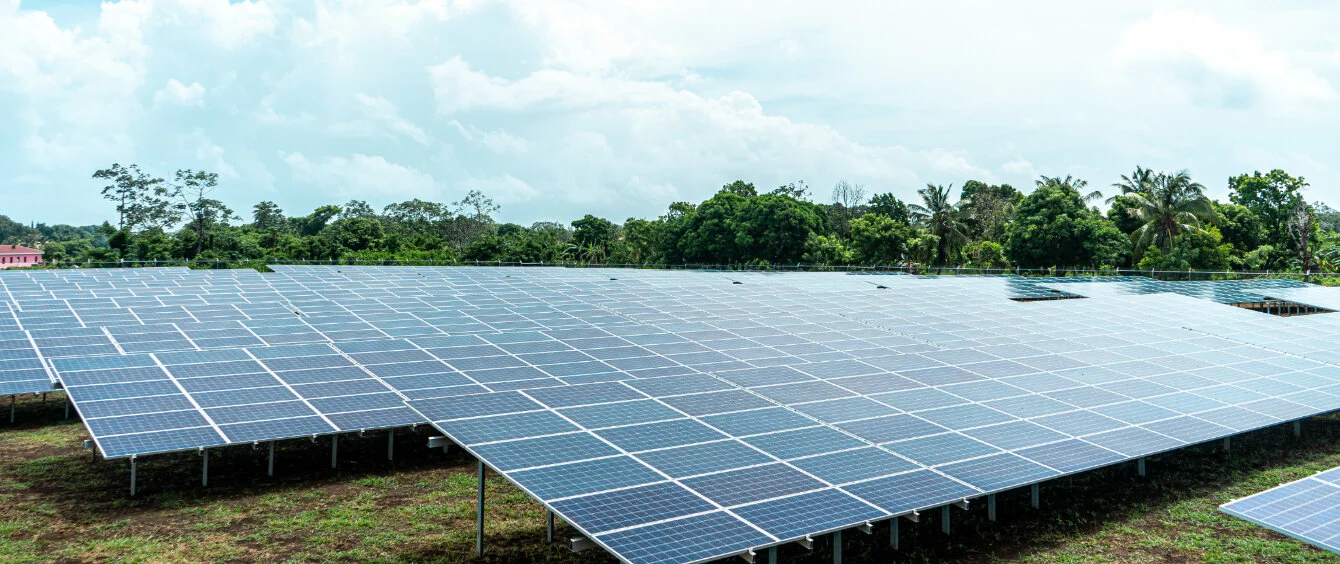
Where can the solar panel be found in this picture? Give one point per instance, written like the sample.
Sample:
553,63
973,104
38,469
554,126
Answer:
1307,510
677,416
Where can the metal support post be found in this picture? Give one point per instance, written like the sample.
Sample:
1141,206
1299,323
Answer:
67,405
1140,467
334,449
893,533
270,468
479,513
1228,444
837,547
772,555
1037,498
390,444
13,400
132,476
991,507
204,472
1298,428
549,525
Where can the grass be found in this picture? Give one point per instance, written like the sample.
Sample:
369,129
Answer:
58,504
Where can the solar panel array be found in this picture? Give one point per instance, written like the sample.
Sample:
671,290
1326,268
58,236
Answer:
678,416
1307,510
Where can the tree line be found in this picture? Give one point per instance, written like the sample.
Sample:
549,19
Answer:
1154,220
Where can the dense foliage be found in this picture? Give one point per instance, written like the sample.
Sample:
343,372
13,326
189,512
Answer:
1155,221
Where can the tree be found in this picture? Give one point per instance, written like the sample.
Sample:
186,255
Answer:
1199,249
356,233
823,250
987,209
984,254
642,240
357,209
741,188
1073,183
312,224
1239,227
1328,219
266,217
592,230
941,218
192,189
1139,182
474,217
847,201
732,228
141,199
890,206
1302,228
1053,227
1272,197
1174,205
879,239
796,190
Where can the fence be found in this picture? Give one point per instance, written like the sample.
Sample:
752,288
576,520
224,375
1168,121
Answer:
1170,275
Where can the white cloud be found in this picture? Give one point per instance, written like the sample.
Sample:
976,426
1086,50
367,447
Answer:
174,92
229,25
497,141
504,189
1219,65
362,176
567,107
208,154
380,118
1020,167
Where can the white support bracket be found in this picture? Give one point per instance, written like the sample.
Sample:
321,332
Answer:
961,504
748,556
579,544
913,517
807,543
439,442
868,528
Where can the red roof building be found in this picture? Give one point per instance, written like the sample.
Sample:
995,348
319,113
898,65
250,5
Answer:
14,256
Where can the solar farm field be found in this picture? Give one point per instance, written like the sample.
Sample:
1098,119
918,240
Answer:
57,503
659,417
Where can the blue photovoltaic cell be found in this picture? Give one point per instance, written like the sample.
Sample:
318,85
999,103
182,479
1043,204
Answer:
940,449
808,513
578,478
659,435
443,409
804,442
622,508
752,484
700,459
620,413
1071,455
162,441
717,402
854,465
690,539
544,450
914,490
504,427
758,421
1307,510
997,472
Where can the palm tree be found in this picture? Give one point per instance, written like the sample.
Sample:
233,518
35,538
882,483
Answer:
1174,204
1076,184
1139,182
941,218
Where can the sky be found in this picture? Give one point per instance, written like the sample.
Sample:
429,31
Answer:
559,108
